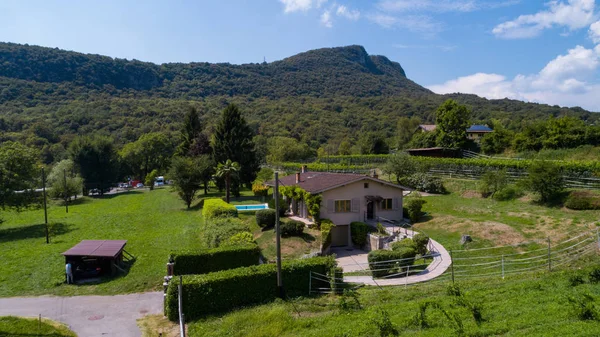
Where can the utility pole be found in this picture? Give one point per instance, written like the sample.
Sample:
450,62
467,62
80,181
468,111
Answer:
45,209
66,200
549,256
278,236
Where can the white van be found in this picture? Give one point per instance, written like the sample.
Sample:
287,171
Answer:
160,181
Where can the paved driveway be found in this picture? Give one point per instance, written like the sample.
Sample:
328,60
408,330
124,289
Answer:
89,316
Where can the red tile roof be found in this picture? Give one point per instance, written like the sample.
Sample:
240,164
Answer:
317,182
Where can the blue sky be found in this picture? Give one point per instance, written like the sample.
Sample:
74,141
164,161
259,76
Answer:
539,51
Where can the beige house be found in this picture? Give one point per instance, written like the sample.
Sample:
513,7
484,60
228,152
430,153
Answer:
347,197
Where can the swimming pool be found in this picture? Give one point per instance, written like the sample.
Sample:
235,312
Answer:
251,207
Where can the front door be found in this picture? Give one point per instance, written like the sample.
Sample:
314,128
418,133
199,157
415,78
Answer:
370,210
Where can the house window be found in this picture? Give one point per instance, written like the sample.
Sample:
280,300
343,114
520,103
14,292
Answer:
343,206
386,204
366,185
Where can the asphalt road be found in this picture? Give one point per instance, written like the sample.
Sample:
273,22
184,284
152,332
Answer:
89,316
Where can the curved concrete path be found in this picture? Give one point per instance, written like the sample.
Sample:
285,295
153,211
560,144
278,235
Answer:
357,262
89,316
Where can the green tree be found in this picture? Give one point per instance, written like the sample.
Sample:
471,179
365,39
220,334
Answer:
227,170
187,178
405,129
493,181
191,130
345,148
546,179
400,165
152,151
206,166
497,141
284,149
61,188
422,140
564,132
232,139
452,120
150,178
18,172
372,143
96,159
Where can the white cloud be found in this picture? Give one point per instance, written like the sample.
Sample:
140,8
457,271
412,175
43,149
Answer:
384,20
562,81
594,32
573,14
291,6
348,14
415,23
326,19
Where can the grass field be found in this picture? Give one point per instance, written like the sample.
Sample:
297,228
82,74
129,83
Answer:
153,222
525,305
11,326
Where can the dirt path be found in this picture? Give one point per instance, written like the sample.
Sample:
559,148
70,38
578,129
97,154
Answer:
89,316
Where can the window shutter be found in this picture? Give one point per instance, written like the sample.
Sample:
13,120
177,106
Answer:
330,206
355,205
396,203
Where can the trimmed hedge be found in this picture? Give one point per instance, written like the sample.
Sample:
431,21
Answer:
421,240
383,262
265,217
220,230
414,207
291,228
326,226
230,289
216,208
283,205
359,231
216,259
404,243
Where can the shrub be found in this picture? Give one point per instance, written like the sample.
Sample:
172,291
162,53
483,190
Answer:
260,190
421,240
384,262
283,206
546,179
240,239
291,228
584,307
508,193
404,243
583,200
424,183
359,231
217,231
454,290
384,324
229,289
576,279
215,208
595,275
216,259
326,226
414,206
265,217
492,182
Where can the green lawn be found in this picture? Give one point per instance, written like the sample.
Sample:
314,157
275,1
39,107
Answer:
11,326
153,222
525,305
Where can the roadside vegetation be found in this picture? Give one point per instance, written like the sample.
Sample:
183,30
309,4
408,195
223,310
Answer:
11,326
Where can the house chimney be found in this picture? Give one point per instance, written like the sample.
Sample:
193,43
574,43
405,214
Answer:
297,177
374,174
303,169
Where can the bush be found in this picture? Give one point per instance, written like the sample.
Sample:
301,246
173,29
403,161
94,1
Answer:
508,193
226,290
260,190
424,183
421,241
240,239
216,259
546,179
217,208
217,231
595,275
492,182
283,206
291,228
326,226
583,200
265,217
359,231
384,262
404,243
414,207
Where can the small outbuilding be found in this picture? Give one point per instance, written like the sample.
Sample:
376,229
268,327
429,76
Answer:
95,258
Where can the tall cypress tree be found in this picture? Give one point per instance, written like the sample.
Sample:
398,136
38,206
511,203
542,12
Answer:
192,129
232,140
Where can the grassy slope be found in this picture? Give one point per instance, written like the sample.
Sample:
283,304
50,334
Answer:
17,326
526,305
154,223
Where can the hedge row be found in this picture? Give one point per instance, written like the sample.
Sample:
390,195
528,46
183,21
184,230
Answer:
359,231
214,208
385,262
326,226
219,230
217,259
229,289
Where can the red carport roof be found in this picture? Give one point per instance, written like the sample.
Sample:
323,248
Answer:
97,248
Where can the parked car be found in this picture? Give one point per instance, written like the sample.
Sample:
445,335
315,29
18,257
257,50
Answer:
139,185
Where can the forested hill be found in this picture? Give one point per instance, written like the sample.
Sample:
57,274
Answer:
329,72
319,97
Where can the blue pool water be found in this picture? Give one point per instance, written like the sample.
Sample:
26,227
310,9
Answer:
251,207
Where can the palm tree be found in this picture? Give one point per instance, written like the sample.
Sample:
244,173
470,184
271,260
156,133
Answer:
226,170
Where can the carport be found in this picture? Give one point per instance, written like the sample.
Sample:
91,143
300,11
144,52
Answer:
94,258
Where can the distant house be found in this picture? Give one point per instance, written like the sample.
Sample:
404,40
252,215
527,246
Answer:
347,197
426,128
476,132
